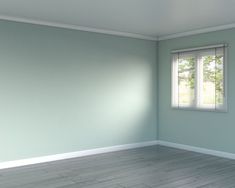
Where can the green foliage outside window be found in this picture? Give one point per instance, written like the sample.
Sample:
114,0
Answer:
212,72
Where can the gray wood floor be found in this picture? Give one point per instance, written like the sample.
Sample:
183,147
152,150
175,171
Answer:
155,166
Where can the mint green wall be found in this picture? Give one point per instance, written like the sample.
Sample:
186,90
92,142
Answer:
203,129
65,90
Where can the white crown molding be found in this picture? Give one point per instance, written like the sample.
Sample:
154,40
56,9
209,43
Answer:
50,158
75,27
116,33
195,32
197,149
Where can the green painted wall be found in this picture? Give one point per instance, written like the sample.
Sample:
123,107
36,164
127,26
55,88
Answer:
203,129
65,90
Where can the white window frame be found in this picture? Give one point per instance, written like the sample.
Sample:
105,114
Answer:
174,80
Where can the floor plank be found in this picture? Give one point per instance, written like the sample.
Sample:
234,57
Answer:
148,167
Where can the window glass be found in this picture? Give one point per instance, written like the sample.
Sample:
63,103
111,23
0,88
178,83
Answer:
186,80
198,79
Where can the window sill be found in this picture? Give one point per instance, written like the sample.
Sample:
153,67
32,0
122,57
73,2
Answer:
200,109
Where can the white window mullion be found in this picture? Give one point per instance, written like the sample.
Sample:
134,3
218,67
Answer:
174,80
199,81
215,78
225,70
196,94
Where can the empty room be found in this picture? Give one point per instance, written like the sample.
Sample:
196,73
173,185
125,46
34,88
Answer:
117,94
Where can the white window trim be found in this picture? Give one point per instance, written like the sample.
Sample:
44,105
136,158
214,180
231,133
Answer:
195,107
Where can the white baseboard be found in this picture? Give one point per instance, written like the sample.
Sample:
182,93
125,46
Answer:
197,149
50,158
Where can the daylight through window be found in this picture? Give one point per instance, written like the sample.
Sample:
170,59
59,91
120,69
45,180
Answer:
198,78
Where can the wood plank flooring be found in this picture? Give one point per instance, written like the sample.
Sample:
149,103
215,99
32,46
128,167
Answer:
148,167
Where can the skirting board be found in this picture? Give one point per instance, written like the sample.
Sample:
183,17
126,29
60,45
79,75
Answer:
197,149
50,158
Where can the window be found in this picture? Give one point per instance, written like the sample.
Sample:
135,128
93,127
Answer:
198,78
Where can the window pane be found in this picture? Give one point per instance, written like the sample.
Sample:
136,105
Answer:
207,96
211,79
186,80
219,84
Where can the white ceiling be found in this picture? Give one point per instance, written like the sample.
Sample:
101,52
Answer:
145,17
